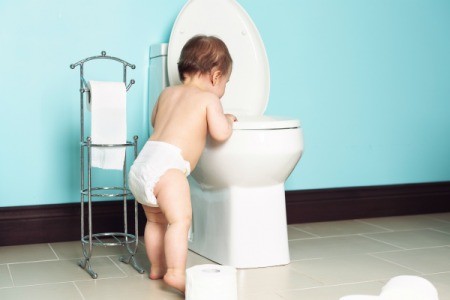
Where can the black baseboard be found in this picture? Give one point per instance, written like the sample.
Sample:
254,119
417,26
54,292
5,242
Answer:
61,222
367,202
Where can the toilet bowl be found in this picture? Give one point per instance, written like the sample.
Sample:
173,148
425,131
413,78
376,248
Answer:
238,197
237,188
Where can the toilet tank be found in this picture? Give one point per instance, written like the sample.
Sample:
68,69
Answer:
157,76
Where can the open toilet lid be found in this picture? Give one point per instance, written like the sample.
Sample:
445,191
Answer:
247,92
265,123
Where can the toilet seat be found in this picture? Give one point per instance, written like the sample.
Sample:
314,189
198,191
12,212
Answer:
265,123
247,92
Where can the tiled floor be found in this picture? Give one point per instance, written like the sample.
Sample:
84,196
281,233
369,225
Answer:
329,260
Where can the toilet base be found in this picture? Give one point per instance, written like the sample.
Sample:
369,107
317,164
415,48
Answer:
240,227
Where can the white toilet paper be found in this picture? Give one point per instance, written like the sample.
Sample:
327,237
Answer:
206,282
409,287
360,297
108,123
403,287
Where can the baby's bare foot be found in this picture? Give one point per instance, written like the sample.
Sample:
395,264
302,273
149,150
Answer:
157,273
177,281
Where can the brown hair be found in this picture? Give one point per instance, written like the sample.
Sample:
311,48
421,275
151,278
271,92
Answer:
201,54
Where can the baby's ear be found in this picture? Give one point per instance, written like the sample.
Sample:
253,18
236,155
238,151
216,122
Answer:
215,76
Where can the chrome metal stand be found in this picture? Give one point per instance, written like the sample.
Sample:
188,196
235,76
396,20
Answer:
129,241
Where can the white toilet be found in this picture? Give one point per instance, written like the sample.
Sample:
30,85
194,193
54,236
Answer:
237,189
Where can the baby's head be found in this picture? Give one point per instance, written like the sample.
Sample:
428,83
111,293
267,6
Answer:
203,54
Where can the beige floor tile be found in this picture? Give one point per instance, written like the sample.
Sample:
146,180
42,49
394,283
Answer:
135,287
349,269
67,250
330,259
141,259
295,234
259,296
406,222
428,260
272,279
326,229
335,246
441,216
194,259
442,284
445,229
26,253
66,291
73,249
61,271
334,292
411,239
5,278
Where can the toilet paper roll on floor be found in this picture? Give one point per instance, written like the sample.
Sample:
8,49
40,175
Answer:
403,287
107,103
206,282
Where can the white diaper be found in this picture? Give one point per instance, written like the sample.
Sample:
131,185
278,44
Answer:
152,162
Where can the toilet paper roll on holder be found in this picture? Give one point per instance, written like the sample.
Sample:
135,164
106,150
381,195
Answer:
130,241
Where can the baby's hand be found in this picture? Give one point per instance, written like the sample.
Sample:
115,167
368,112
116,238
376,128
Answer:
231,117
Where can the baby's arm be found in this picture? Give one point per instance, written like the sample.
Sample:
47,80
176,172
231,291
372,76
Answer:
220,126
154,114
232,117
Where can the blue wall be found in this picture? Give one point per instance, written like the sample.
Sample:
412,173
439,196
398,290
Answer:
368,79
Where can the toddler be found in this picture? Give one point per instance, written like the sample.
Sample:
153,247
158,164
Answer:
182,118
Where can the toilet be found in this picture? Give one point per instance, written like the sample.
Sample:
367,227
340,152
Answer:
237,188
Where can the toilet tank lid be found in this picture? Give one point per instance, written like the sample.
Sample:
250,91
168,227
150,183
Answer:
157,50
265,122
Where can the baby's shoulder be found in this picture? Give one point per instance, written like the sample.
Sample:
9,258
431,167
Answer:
197,94
207,97
188,96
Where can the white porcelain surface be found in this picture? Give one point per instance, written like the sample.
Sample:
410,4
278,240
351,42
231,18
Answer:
240,227
239,190
250,158
226,19
264,122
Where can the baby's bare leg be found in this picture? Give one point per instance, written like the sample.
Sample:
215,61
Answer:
155,230
172,192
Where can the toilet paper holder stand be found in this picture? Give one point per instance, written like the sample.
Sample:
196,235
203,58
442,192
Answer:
88,191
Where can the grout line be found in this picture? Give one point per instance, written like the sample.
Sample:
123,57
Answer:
335,285
440,231
304,231
78,289
117,265
432,216
362,234
54,252
10,275
328,237
437,273
307,259
51,283
428,247
386,251
397,264
36,261
310,238
380,241
374,225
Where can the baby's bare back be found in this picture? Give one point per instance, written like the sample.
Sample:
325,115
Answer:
179,118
